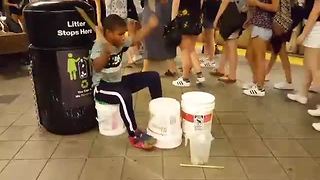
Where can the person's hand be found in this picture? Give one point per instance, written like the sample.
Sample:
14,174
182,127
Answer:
300,39
252,3
153,21
16,6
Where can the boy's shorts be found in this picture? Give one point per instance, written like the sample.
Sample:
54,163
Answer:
262,33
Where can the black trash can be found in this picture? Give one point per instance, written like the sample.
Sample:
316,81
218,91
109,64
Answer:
61,69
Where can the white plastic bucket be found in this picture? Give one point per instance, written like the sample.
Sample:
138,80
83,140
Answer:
165,122
200,145
109,119
197,112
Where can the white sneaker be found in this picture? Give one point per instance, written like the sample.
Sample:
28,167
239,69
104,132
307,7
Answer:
181,83
297,97
283,86
208,64
314,112
316,126
254,91
200,80
248,85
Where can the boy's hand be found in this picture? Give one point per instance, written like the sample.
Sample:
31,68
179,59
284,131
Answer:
153,21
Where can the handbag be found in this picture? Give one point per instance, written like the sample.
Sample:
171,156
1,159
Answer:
228,22
282,21
172,34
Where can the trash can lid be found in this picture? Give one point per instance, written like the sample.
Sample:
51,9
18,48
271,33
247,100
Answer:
56,5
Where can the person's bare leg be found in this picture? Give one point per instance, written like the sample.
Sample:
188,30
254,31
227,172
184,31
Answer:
232,58
271,63
251,60
186,48
209,43
172,67
194,56
285,63
224,60
259,55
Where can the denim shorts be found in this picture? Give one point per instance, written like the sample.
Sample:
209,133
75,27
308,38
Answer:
262,33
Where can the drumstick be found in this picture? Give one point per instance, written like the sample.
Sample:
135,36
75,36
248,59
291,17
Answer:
85,16
98,8
202,166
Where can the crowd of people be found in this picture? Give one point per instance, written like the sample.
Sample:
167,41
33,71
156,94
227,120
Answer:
270,22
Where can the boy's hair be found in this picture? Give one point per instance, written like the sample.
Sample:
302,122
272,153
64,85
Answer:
113,22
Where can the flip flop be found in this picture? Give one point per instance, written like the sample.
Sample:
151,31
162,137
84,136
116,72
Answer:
216,73
227,80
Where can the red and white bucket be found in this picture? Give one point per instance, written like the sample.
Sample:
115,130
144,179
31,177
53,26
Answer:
197,112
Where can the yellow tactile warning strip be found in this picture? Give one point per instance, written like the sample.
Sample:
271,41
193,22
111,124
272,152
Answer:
294,60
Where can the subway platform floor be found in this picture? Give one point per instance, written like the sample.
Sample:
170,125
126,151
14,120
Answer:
268,138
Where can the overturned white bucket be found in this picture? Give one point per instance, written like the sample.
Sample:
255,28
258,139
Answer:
109,119
165,122
197,112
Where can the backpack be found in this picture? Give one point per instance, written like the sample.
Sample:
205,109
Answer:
282,20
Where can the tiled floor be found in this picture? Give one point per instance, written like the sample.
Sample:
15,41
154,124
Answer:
267,138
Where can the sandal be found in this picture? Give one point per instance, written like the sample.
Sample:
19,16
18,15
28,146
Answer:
170,74
216,73
227,80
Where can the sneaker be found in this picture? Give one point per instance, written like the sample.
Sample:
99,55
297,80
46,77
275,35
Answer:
254,91
316,126
208,64
248,85
283,86
143,141
200,80
297,97
314,112
180,82
203,59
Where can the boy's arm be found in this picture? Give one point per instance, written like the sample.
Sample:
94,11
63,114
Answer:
141,34
100,62
273,7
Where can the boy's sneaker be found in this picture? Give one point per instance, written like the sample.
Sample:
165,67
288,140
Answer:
142,140
297,97
208,64
248,85
314,112
316,126
200,80
255,91
180,82
283,86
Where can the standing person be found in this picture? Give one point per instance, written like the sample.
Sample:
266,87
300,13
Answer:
15,9
261,34
279,48
233,16
189,15
210,9
155,47
310,39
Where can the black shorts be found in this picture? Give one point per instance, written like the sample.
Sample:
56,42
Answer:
210,10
